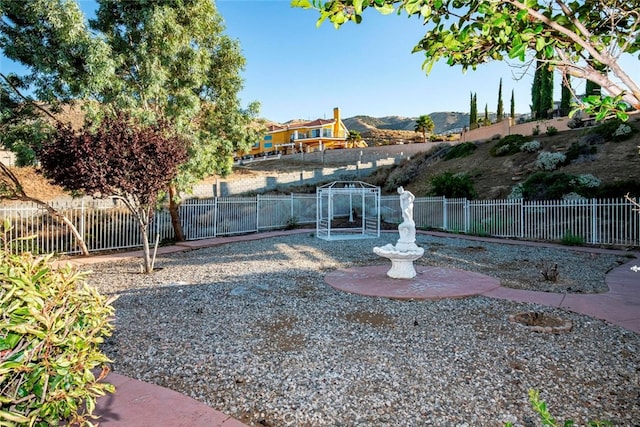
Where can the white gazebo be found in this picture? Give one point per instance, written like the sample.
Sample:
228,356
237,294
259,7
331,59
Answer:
348,210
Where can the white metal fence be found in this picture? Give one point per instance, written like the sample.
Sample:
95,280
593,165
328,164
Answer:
611,222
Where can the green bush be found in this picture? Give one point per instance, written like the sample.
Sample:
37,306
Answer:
52,325
548,186
449,185
614,130
579,149
570,239
460,150
552,130
508,145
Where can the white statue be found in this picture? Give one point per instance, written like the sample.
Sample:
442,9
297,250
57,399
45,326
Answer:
405,251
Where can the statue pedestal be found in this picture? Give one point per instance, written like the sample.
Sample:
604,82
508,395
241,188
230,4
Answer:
401,260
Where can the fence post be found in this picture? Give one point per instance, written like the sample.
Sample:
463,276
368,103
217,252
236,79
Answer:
215,216
82,214
292,209
521,218
444,213
257,212
466,215
594,221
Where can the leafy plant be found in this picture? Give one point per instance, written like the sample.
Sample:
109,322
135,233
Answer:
550,161
510,144
52,325
461,150
614,130
552,130
570,239
531,146
449,185
540,407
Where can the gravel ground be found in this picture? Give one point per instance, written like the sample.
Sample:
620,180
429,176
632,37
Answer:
251,329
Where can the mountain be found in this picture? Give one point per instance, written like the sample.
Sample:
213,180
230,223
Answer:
444,121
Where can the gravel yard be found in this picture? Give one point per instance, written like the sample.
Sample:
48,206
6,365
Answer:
252,330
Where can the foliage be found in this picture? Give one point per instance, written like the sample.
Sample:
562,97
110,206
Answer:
22,129
579,150
121,158
510,144
550,161
500,108
573,36
530,146
473,112
461,150
512,108
154,60
609,129
424,125
452,185
549,271
553,186
570,239
53,324
565,96
575,122
552,130
542,91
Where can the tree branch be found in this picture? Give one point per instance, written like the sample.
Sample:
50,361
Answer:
30,101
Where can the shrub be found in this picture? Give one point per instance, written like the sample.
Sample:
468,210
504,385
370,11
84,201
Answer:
52,325
552,130
450,185
516,192
614,130
460,150
531,146
571,239
510,144
588,180
575,123
535,130
550,161
546,185
579,150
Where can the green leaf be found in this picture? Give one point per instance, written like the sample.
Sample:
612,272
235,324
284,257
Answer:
518,51
304,4
385,9
357,6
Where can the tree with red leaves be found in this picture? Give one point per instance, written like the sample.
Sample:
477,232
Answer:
123,159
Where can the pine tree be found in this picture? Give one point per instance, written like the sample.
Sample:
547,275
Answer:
486,121
499,112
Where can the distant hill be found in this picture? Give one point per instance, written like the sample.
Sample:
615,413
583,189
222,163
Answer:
444,121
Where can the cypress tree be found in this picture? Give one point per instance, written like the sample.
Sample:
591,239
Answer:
542,91
499,112
565,99
473,113
487,122
513,107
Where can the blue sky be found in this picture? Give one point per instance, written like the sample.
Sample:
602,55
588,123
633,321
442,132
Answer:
298,71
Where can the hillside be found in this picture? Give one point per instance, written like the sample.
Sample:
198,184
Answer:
616,164
444,121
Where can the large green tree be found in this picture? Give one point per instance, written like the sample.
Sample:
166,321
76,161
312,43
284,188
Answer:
424,124
573,36
542,91
565,96
157,60
473,112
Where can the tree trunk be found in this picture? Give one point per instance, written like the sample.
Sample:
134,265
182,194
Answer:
54,213
174,206
145,246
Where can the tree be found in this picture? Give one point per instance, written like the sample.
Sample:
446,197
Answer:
156,60
11,189
353,139
486,121
565,96
573,36
542,91
512,109
499,110
424,124
473,113
122,158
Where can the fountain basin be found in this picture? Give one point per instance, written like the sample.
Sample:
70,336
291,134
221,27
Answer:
401,260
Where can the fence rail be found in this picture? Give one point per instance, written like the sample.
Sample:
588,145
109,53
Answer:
609,222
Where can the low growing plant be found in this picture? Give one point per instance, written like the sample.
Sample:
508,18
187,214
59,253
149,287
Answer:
510,144
52,324
550,161
460,150
570,239
452,185
552,130
540,407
